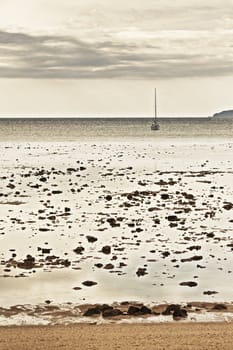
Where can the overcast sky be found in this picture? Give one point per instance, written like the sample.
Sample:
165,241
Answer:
89,57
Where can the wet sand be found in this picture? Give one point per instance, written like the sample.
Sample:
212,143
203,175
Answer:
103,223
159,336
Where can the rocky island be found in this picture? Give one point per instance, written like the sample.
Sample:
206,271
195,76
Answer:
224,114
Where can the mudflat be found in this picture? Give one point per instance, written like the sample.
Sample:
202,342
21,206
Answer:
127,336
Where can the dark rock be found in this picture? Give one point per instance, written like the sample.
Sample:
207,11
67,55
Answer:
179,314
112,222
112,312
141,271
92,312
79,250
104,307
27,263
228,206
99,265
189,284
44,250
172,218
145,310
133,310
109,266
210,235
89,283
91,239
220,307
56,192
70,170
166,254
194,247
164,196
106,249
170,309
108,197
210,292
193,258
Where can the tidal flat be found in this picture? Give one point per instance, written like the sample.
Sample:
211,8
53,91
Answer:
86,223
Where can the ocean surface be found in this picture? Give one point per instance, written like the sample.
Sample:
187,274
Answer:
76,129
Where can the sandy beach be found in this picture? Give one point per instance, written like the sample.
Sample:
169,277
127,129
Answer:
116,337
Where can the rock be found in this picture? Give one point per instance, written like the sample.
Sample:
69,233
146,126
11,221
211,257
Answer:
11,186
210,292
91,239
193,258
70,170
170,309
164,196
145,310
106,249
172,218
166,254
194,247
112,222
79,250
89,283
112,312
92,312
210,235
134,310
56,192
43,179
219,307
189,284
109,266
104,307
141,271
99,265
45,250
28,263
188,195
228,206
108,198
179,314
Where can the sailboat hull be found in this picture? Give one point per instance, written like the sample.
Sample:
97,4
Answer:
155,127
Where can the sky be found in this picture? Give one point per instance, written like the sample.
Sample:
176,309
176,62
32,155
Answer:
105,57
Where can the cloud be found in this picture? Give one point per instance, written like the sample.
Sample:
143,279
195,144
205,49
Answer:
130,55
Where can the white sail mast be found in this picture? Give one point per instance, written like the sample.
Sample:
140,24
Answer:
155,105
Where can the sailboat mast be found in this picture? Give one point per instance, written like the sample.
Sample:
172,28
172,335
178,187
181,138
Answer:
155,105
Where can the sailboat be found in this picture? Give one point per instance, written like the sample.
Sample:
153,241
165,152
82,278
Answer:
155,125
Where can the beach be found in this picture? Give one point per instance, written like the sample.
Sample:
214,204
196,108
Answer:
118,337
114,219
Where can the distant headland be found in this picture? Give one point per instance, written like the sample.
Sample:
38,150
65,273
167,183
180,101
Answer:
224,114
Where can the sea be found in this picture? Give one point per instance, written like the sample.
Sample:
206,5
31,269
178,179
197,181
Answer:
75,129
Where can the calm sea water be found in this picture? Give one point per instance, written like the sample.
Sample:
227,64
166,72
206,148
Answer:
72,129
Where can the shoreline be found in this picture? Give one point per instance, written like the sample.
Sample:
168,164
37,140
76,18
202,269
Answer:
156,336
51,314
